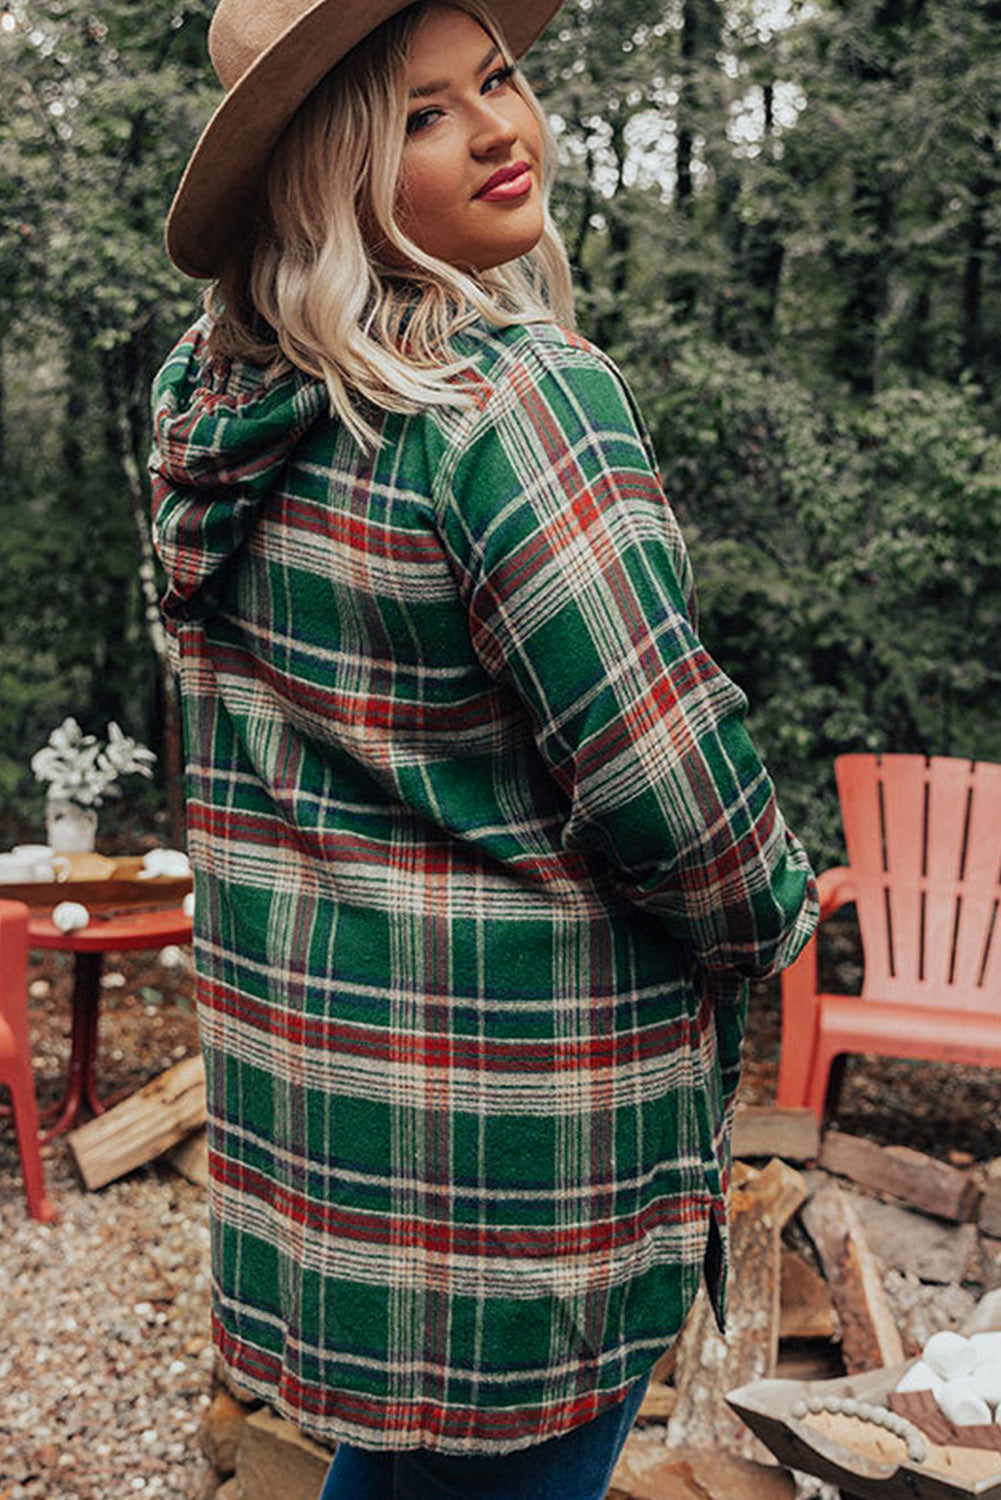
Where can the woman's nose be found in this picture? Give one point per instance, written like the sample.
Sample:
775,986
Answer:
491,130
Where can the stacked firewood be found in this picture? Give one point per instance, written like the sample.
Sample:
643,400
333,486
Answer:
846,1256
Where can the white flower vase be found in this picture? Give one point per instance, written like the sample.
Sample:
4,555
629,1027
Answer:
69,828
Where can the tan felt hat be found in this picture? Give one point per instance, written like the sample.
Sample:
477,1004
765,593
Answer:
269,55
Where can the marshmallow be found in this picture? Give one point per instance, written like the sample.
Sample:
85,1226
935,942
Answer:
69,916
920,1377
962,1405
170,862
188,904
949,1354
987,1347
986,1382
986,1315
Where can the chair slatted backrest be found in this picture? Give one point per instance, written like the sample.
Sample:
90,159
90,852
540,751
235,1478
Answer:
924,846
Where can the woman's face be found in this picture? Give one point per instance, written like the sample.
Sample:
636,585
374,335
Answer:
470,189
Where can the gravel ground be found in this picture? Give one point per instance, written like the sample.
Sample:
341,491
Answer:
105,1358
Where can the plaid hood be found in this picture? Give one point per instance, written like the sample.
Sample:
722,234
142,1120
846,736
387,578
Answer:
223,432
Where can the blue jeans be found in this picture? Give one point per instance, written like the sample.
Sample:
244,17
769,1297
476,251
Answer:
575,1466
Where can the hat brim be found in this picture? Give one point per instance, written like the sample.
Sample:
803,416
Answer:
214,202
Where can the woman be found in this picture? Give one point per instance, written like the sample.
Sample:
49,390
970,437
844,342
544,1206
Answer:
484,857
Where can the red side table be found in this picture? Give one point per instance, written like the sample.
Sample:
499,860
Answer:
113,934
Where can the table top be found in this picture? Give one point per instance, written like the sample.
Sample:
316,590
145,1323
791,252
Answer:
118,932
121,888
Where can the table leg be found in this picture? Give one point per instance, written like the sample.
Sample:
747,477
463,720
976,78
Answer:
81,1083
91,1002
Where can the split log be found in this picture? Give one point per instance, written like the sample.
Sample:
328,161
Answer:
810,1359
190,1158
143,1126
807,1306
707,1364
792,1134
658,1403
869,1336
919,1180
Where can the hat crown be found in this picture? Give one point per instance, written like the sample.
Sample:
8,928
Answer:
242,30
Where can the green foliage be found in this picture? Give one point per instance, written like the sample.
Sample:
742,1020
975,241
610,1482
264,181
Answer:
97,113
848,575
789,236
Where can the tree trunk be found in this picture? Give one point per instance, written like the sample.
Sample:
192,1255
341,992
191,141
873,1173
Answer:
587,207
982,191
130,435
684,185
865,269
79,368
762,250
619,240
683,284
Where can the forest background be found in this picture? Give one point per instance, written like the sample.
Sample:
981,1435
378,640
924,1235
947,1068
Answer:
785,222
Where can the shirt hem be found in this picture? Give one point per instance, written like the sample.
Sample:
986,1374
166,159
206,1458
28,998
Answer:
329,1430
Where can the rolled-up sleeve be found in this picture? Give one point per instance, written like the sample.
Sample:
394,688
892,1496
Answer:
577,587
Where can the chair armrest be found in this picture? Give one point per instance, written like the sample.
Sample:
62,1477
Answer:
836,888
800,1003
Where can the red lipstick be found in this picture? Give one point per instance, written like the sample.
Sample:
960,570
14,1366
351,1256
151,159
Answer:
507,184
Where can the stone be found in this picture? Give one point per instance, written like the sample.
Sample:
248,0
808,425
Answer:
985,1271
219,1436
647,1470
986,1317
990,1209
228,1491
208,1489
911,1242
274,1461
920,1310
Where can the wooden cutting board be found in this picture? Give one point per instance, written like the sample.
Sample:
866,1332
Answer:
766,1407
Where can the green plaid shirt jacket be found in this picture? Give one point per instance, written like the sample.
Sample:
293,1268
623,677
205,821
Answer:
484,858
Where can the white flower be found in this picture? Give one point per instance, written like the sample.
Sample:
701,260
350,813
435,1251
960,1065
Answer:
80,769
125,756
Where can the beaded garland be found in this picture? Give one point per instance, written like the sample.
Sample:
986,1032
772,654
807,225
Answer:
864,1411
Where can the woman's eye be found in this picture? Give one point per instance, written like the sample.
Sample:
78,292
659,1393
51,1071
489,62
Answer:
498,79
421,119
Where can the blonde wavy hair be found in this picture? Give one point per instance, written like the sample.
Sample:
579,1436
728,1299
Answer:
376,335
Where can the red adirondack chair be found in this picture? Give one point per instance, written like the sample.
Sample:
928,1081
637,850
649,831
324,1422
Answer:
924,873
